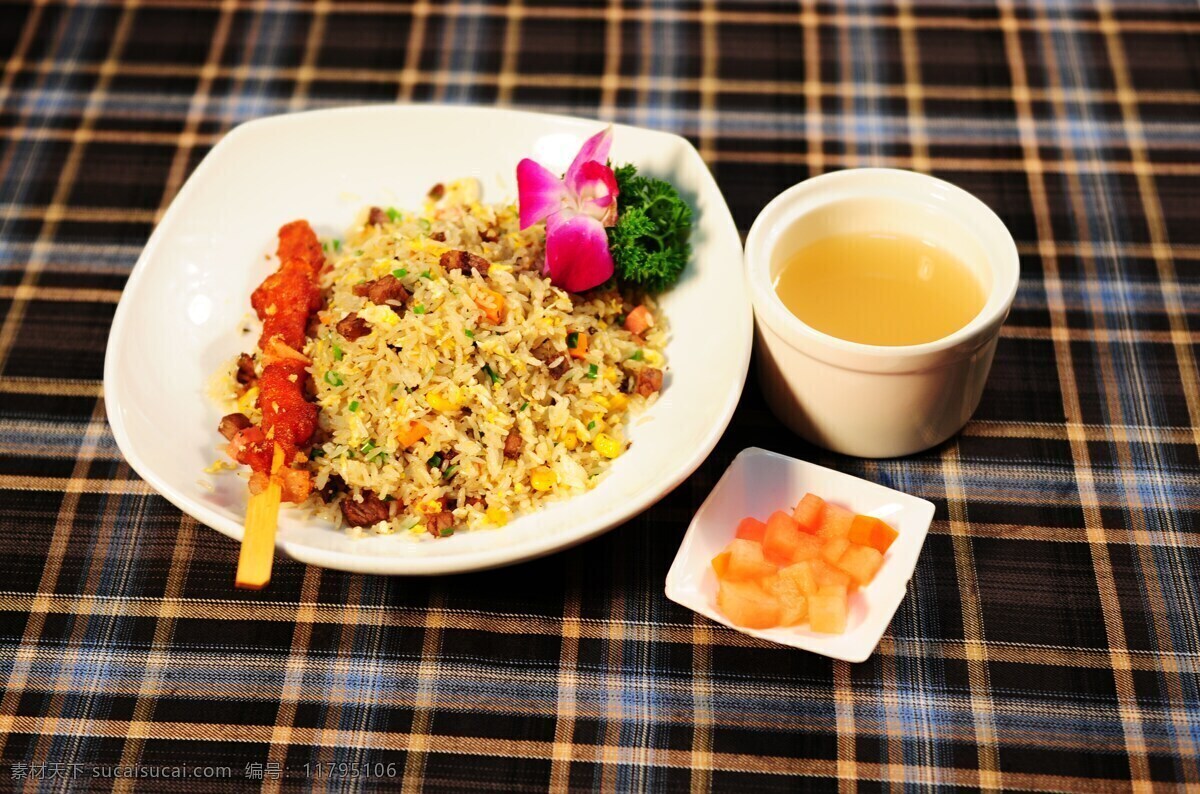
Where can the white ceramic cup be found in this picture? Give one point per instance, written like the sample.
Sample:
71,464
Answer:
877,401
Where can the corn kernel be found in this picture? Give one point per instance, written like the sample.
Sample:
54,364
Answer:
606,445
248,400
497,516
618,402
543,479
570,441
654,358
430,506
601,400
439,403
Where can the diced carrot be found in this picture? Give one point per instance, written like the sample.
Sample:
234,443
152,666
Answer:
579,350
751,529
835,522
746,561
808,512
827,610
412,434
639,320
834,549
491,303
781,537
720,564
793,605
861,562
808,547
747,604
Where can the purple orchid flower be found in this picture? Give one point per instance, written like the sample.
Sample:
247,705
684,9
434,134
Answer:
576,209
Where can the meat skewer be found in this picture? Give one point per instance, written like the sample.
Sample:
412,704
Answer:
285,302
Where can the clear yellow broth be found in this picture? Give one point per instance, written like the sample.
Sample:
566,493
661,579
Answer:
879,289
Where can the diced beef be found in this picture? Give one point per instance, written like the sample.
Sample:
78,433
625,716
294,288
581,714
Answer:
649,380
387,291
513,444
230,424
437,191
370,511
377,217
333,486
464,260
352,327
546,353
437,523
245,370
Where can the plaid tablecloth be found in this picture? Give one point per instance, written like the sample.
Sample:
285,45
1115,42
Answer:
1050,639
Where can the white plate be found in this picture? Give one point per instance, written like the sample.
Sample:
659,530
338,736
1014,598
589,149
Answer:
188,297
757,484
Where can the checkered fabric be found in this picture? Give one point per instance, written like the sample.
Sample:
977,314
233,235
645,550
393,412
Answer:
1050,639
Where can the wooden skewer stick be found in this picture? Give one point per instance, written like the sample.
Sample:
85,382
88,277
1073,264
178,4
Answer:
258,541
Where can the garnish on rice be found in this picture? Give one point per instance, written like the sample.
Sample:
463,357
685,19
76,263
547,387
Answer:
601,222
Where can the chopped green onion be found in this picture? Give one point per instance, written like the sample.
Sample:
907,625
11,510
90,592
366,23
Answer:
524,405
393,214
367,446
445,533
593,371
469,333
449,472
620,319
325,246
337,245
573,340
393,387
332,378
353,405
435,461
636,356
592,425
425,224
419,309
491,374
380,455
427,275
337,353
400,272
317,453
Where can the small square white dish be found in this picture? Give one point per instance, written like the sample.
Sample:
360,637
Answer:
758,483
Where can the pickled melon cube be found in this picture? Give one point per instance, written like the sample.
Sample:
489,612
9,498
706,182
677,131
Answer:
746,561
834,549
827,609
802,574
835,522
827,575
808,513
781,537
748,605
808,547
720,564
793,605
861,562
751,529
873,532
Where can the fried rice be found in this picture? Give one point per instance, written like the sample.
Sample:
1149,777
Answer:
439,363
